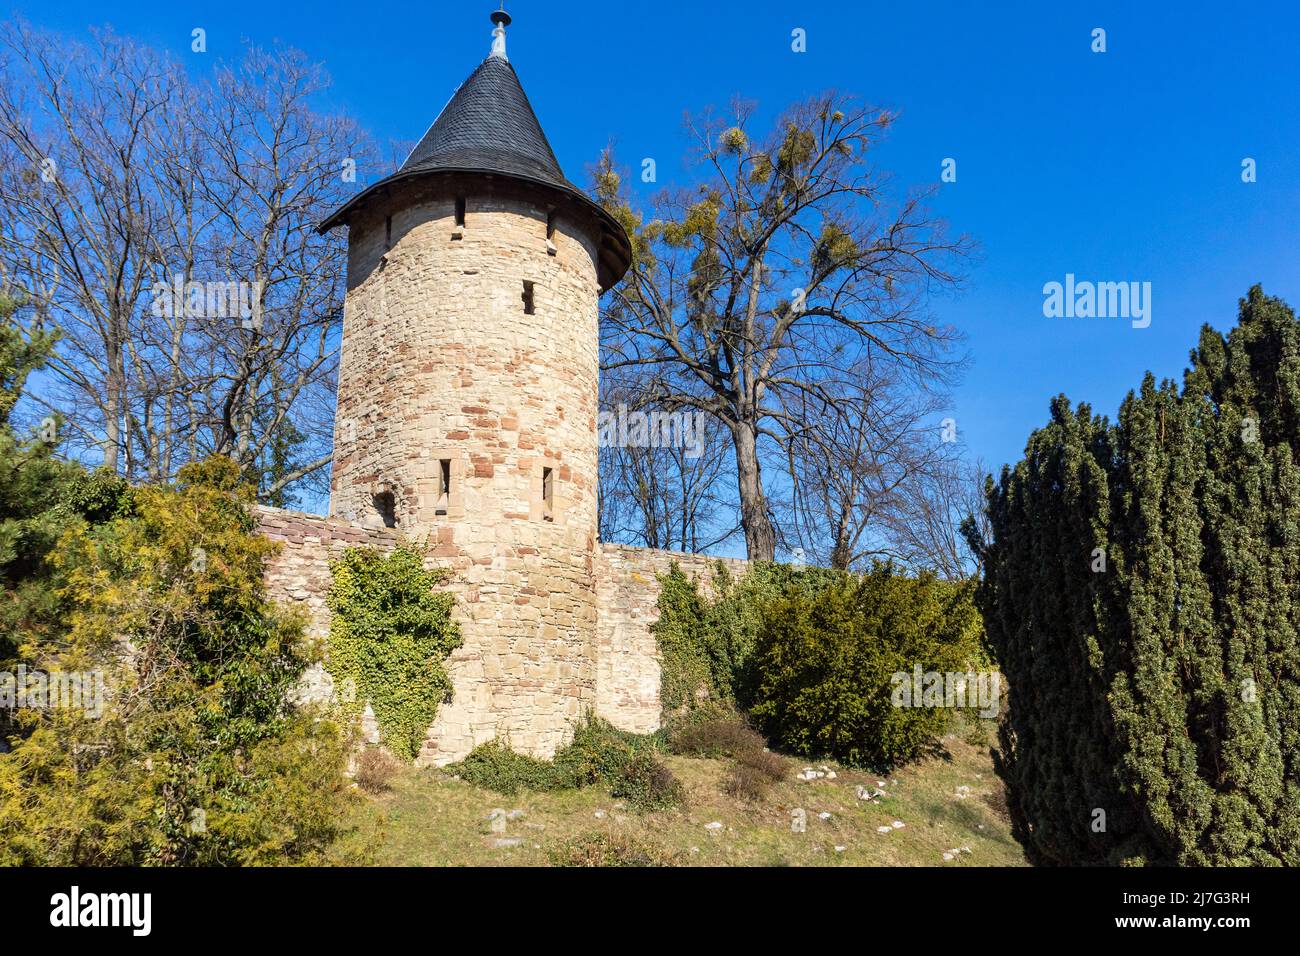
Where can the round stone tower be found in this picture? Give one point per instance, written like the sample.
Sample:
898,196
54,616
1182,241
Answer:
467,400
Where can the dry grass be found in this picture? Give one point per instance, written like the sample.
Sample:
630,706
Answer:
611,848
771,767
429,819
375,770
747,783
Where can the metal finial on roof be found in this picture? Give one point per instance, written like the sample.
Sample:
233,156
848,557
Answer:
502,20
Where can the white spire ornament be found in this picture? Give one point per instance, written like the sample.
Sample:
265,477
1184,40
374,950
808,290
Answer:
502,20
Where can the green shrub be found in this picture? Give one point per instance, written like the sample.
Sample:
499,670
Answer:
494,766
32,483
646,784
599,754
390,633
706,646
825,664
816,675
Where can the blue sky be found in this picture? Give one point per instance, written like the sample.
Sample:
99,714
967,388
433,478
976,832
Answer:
1115,166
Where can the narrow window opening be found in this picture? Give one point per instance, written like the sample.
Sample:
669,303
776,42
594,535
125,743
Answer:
386,505
460,211
550,233
388,233
528,299
548,494
444,486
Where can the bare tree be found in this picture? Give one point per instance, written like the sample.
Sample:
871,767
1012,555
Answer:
854,470
277,169
756,295
933,525
670,495
77,211
127,186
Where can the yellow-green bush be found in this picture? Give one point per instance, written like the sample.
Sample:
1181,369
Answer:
196,756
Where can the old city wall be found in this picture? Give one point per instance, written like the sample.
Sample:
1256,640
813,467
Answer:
625,666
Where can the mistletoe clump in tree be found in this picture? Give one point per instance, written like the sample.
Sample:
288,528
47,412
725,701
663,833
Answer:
782,295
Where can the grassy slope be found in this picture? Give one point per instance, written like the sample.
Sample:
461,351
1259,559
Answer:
430,819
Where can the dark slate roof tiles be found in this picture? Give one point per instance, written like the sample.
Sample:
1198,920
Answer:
489,125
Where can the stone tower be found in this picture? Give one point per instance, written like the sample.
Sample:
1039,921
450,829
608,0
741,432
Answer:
467,400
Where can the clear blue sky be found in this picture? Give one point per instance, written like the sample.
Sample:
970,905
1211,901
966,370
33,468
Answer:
1117,166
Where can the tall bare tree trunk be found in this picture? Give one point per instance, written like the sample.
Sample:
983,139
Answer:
760,537
114,404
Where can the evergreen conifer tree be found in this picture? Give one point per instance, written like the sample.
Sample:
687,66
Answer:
1142,592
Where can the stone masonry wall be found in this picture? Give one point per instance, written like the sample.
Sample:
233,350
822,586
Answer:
626,659
299,575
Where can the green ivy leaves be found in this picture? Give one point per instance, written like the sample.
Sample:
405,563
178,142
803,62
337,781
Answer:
390,634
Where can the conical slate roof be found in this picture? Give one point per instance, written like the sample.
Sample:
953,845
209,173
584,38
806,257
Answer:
489,129
489,125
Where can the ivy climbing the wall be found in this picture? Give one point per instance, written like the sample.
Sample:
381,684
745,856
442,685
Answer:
390,634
